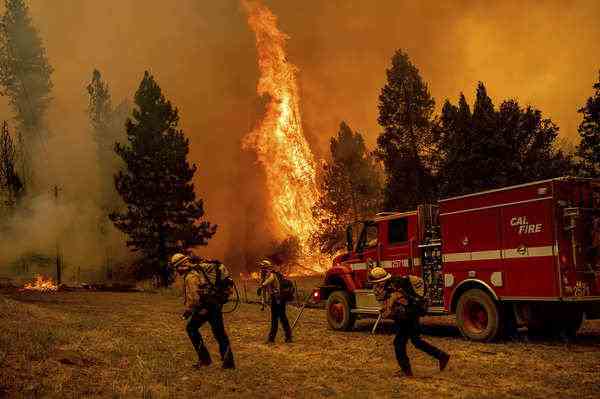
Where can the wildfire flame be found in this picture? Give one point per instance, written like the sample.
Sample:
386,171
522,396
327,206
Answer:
41,283
279,140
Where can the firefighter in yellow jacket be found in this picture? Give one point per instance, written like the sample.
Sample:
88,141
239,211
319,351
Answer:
403,301
278,303
201,306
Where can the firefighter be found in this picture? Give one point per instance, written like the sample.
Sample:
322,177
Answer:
403,301
278,304
201,306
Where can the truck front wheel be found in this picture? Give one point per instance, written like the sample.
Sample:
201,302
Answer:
339,316
478,316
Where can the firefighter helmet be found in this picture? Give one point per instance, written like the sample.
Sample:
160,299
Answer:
378,275
266,264
178,260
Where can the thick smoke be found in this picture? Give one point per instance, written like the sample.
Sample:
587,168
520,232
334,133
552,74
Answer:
203,55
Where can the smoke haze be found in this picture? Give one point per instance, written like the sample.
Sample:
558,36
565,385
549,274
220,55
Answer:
202,53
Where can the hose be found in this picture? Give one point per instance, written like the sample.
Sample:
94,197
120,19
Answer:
237,301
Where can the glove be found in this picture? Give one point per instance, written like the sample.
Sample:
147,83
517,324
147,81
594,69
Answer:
185,315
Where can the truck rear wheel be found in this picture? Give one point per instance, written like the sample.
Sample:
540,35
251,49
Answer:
478,316
339,316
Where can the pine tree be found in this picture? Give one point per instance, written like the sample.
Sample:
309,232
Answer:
406,115
589,131
163,214
455,148
107,128
486,143
530,145
350,188
24,78
490,149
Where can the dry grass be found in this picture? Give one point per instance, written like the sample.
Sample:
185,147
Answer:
101,344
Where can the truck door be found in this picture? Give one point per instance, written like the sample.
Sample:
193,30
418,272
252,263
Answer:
366,252
399,254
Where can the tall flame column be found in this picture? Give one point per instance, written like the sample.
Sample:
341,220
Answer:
278,139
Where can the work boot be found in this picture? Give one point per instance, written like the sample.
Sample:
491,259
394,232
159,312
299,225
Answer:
204,359
405,369
444,359
404,373
228,362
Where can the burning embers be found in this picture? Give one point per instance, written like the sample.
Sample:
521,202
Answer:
40,283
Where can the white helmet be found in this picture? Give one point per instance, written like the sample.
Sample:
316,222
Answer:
266,264
178,260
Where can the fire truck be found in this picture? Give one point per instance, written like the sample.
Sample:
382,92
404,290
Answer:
525,255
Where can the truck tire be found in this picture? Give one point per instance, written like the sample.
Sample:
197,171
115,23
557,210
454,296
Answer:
554,321
478,316
339,316
572,323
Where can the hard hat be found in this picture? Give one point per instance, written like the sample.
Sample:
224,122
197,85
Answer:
178,260
266,264
378,275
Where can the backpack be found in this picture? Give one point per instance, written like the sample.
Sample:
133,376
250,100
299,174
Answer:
417,304
286,287
221,290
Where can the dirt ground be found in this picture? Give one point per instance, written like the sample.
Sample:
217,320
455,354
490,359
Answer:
103,344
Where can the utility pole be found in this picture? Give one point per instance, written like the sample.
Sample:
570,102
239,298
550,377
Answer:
58,256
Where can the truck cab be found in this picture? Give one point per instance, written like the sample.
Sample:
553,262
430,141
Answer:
402,243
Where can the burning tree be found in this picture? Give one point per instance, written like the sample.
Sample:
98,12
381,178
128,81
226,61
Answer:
163,214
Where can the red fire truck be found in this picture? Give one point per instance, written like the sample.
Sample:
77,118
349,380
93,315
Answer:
525,255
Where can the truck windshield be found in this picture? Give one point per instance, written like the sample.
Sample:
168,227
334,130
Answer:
368,237
398,231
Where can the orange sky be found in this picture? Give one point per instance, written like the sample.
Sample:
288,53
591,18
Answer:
544,53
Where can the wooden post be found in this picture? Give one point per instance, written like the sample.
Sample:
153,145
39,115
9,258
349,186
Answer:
58,257
245,293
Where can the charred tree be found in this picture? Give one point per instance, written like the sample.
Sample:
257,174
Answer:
163,215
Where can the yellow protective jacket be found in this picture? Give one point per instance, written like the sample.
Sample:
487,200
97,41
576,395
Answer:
271,283
194,285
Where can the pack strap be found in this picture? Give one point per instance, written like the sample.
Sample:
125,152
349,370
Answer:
206,276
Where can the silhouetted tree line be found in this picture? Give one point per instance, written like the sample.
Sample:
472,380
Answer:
427,156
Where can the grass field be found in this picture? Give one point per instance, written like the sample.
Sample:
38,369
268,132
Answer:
103,344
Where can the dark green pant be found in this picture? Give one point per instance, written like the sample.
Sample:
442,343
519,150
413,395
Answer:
278,312
409,330
214,316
